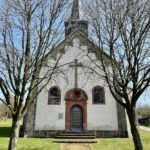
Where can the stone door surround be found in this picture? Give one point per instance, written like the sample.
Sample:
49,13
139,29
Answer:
76,97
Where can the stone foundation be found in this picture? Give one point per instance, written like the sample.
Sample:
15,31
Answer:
99,134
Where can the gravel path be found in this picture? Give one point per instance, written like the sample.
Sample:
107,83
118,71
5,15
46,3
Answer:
76,147
144,128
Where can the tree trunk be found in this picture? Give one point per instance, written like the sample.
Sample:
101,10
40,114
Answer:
14,135
134,130
6,116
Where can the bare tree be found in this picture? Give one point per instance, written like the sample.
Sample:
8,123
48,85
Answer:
121,29
29,31
5,112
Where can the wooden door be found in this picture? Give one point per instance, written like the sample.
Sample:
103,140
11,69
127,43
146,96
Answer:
76,118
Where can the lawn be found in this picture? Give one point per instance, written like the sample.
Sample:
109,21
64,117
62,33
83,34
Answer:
122,143
24,143
47,143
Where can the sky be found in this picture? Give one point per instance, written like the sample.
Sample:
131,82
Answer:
145,98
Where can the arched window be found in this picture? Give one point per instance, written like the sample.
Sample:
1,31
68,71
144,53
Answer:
54,97
98,95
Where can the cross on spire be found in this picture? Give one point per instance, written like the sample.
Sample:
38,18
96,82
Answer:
75,10
76,65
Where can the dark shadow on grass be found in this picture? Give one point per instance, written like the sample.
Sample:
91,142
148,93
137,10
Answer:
5,131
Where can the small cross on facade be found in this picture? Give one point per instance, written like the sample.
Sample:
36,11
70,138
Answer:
76,65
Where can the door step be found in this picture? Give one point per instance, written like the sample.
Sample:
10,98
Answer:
76,134
80,141
75,138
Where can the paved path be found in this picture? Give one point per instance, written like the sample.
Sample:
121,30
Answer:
75,147
144,128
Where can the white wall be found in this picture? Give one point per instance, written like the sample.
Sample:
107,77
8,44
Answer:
99,117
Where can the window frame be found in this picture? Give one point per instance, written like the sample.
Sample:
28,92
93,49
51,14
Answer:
49,96
103,91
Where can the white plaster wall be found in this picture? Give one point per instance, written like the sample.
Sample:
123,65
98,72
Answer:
104,116
47,115
99,117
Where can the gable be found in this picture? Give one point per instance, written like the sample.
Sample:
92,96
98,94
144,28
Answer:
84,41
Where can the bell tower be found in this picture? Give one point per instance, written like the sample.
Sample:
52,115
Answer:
75,22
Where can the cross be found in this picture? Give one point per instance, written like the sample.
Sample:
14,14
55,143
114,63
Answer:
76,65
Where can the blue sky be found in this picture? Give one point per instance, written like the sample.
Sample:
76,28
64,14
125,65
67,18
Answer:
145,98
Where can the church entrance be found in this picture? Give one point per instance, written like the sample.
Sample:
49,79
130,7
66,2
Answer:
76,110
76,118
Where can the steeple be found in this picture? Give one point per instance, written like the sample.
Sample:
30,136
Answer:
75,10
76,22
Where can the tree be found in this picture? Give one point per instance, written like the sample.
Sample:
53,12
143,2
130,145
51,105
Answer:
5,111
121,29
29,31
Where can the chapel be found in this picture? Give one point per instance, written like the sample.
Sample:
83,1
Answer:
76,99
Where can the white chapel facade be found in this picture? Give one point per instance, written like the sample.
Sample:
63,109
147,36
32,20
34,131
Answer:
77,100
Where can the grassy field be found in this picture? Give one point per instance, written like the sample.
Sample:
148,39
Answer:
47,144
121,143
24,143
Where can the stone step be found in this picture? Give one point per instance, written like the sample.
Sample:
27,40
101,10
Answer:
84,141
76,134
75,137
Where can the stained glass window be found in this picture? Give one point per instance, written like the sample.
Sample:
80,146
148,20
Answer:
98,95
54,96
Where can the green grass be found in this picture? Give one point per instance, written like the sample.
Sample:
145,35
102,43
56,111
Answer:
31,144
122,143
5,129
47,143
24,143
113,144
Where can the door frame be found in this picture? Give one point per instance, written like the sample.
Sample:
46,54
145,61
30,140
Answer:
71,101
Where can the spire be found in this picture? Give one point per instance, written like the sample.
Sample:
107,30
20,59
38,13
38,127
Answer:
76,13
76,22
75,10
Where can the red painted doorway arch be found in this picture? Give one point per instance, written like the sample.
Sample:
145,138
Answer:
76,97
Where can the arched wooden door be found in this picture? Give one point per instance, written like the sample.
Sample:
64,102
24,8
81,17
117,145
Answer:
76,110
76,118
